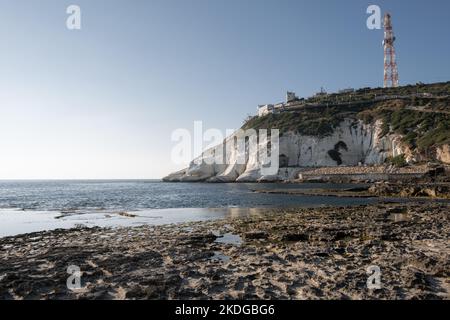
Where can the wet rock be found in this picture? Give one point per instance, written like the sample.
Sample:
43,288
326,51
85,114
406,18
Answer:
255,235
199,238
294,237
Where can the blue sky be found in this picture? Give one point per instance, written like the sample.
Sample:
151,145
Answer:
103,101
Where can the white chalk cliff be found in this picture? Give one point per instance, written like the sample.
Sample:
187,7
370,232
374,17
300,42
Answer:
352,143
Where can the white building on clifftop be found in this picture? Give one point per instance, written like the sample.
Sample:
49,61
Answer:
266,109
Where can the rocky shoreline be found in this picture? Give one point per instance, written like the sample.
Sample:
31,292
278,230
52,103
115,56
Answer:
382,190
320,253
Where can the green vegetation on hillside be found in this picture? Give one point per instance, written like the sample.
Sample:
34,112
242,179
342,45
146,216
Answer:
306,123
419,129
420,113
397,161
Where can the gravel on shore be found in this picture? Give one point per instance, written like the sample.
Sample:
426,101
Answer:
321,253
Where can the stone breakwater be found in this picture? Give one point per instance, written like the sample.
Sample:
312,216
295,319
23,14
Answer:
285,254
380,169
371,173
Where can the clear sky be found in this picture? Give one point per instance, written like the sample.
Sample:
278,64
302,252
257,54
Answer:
102,102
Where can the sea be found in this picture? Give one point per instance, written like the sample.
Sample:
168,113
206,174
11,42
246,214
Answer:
32,206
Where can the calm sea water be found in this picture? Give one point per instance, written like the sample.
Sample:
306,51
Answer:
27,206
151,194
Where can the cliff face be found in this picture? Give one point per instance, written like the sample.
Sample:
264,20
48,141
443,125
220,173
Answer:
345,129
351,143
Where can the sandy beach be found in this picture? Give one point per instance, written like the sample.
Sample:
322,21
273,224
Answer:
320,253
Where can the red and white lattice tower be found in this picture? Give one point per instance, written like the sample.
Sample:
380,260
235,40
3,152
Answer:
390,63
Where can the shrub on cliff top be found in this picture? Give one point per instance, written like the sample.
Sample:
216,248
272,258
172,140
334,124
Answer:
305,123
420,129
397,161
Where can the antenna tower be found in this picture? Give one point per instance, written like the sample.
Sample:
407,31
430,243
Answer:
390,63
